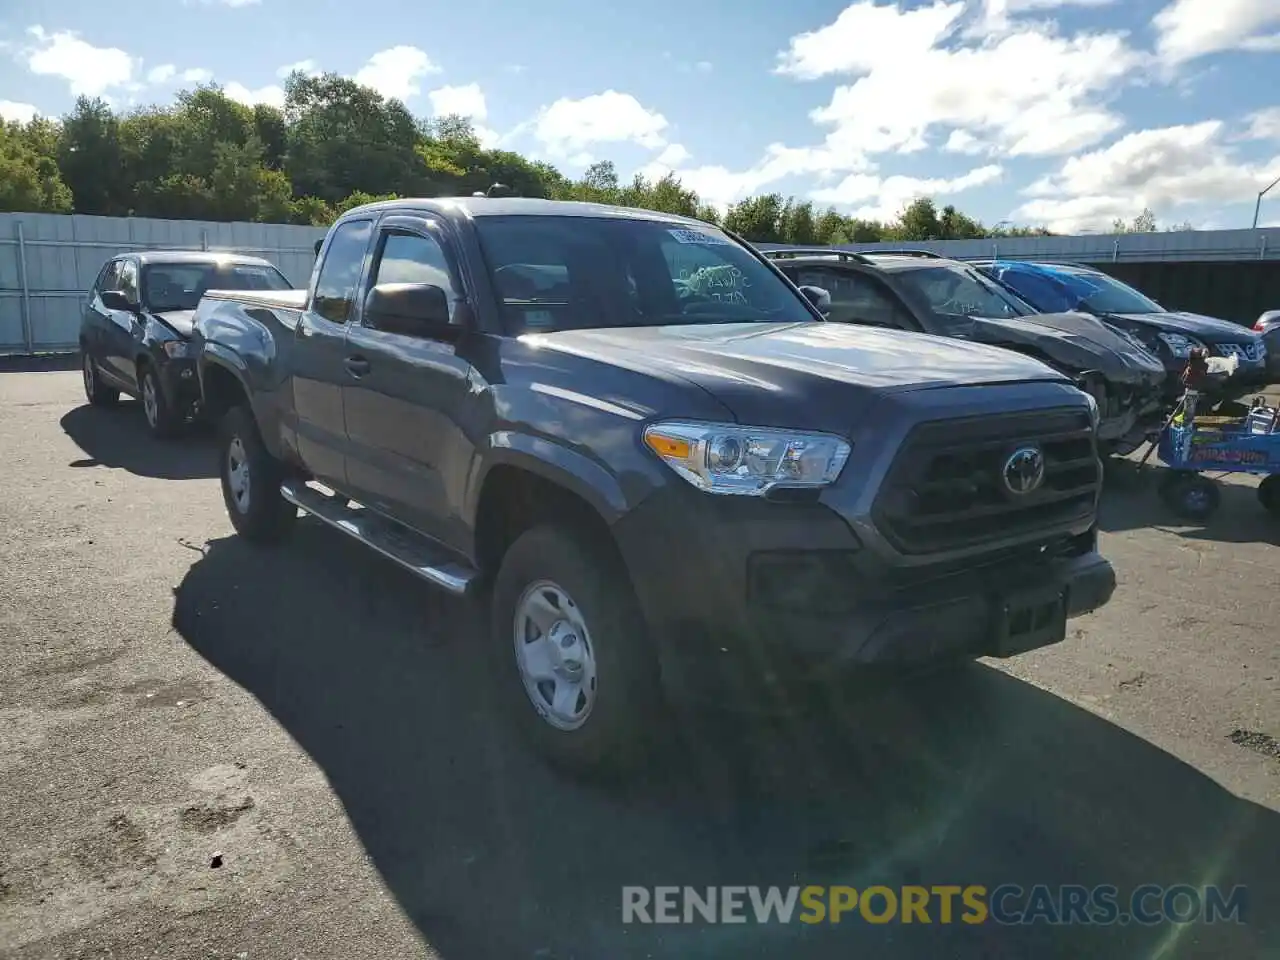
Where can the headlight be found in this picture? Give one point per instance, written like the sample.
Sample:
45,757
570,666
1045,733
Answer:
1180,345
727,458
179,349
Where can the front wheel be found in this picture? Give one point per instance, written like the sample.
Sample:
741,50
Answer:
1190,495
251,479
163,419
1269,494
570,651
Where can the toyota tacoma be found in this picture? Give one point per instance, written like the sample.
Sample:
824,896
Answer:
649,454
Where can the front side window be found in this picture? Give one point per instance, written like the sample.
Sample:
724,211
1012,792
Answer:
412,258
340,273
571,273
108,277
953,295
179,286
128,282
855,297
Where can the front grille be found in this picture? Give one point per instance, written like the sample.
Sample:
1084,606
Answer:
946,491
1245,351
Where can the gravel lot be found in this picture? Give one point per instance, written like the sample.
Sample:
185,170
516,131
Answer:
208,750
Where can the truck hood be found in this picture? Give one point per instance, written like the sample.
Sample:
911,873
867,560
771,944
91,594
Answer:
765,371
1192,324
179,321
1074,342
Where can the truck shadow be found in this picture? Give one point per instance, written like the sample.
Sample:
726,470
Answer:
1131,500
117,438
973,779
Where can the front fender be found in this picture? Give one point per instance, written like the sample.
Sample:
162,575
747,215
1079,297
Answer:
554,462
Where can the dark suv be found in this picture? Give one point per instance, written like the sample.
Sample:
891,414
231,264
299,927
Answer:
651,457
1171,335
920,291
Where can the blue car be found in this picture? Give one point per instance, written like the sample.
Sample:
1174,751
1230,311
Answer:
1170,335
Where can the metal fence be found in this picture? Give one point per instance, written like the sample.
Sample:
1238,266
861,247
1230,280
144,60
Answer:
48,262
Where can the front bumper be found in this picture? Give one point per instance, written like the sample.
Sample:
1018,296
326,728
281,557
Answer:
754,597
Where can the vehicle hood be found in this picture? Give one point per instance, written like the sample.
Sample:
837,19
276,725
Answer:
179,321
1074,342
1192,324
771,369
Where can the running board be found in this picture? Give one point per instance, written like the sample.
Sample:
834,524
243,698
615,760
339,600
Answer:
412,551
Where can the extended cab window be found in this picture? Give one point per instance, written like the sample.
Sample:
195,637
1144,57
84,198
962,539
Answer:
855,298
569,273
340,273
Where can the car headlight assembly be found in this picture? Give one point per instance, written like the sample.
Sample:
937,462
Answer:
179,349
1181,345
747,461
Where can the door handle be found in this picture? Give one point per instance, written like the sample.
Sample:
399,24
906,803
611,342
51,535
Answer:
357,366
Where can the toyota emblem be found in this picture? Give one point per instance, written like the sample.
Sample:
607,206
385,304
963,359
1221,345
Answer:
1023,472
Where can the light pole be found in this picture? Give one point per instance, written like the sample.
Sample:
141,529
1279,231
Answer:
1257,207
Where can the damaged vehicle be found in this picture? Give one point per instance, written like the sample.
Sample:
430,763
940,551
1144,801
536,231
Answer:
920,291
135,332
1171,335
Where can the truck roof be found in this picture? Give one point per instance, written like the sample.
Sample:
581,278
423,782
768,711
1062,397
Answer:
518,206
194,256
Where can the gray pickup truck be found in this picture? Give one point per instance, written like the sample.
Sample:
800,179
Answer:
646,450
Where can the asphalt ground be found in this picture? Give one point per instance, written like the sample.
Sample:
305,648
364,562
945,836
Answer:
211,750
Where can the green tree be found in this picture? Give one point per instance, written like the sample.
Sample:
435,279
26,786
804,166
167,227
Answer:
89,159
29,182
919,221
758,219
798,225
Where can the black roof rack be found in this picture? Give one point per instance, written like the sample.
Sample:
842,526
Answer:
928,254
786,253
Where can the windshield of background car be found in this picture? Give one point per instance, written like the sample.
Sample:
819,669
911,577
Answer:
954,295
179,286
575,273
1103,294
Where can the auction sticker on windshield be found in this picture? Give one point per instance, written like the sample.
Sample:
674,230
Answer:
697,236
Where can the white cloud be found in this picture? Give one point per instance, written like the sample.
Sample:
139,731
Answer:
271,95
309,67
15,112
891,194
569,126
703,66
673,155
197,75
162,74
395,73
467,101
1191,28
88,70
1024,88
962,141
1161,169
1263,125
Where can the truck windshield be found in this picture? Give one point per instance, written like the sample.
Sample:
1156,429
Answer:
954,295
573,273
179,286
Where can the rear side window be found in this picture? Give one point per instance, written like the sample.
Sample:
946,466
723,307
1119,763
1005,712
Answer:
340,272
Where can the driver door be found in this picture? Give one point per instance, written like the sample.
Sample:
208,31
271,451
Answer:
856,297
123,331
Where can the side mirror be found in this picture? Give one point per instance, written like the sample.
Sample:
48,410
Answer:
116,300
820,298
414,309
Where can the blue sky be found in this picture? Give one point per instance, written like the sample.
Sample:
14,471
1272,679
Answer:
1060,112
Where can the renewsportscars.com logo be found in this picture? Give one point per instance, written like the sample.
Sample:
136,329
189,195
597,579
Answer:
944,903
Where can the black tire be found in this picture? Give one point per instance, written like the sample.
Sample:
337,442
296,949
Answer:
1190,495
619,726
163,419
95,391
1269,494
263,516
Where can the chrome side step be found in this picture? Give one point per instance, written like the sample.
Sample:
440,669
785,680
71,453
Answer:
412,551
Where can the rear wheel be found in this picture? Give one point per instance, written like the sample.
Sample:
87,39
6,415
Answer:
1189,494
570,650
95,391
251,479
1269,494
